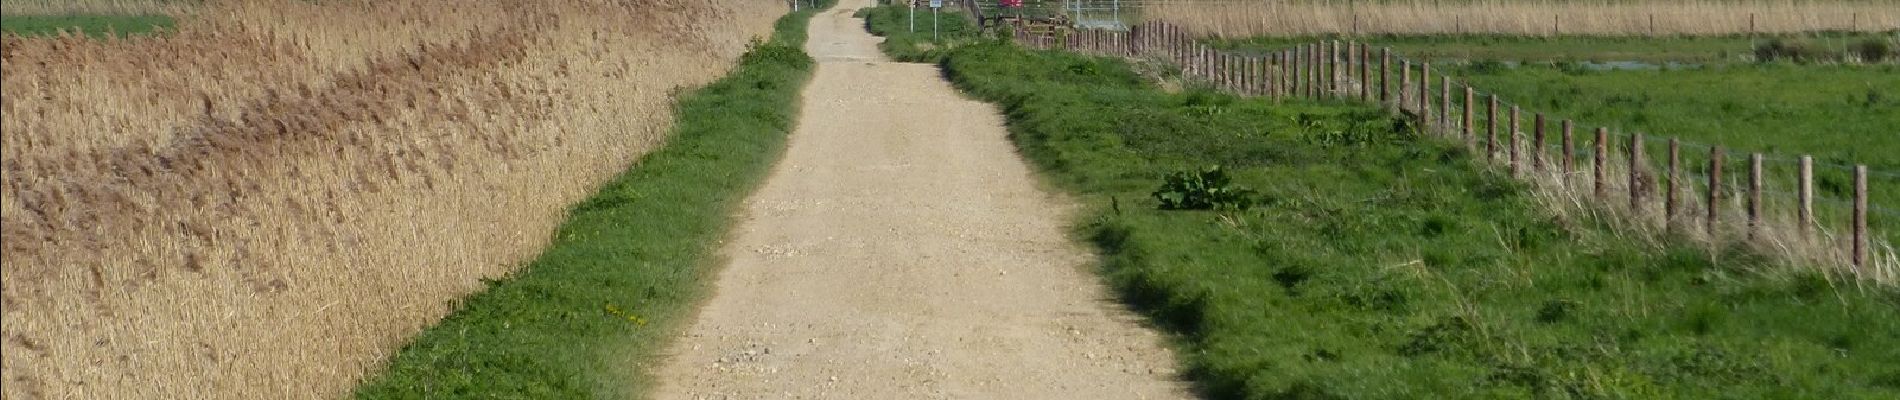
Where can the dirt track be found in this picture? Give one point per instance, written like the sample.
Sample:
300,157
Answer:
902,250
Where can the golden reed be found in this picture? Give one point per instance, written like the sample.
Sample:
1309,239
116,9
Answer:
268,201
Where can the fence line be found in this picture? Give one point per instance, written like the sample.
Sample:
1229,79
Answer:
1733,185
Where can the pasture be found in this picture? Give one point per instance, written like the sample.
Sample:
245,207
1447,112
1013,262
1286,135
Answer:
1236,19
1666,50
1718,93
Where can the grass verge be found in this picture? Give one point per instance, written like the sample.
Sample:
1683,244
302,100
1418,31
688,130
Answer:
626,268
1377,264
95,25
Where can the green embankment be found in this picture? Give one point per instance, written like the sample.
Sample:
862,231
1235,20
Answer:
96,25
628,265
1380,265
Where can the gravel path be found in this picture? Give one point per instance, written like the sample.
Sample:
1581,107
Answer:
902,250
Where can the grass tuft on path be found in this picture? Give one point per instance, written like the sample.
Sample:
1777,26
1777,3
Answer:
624,271
1378,264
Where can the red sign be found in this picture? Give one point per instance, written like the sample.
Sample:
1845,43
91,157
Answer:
1011,3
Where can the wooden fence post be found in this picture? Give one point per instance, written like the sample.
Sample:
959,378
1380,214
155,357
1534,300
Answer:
1309,66
1325,65
1602,162
1804,193
1425,96
1279,74
1385,74
1207,62
1860,217
1224,71
1250,75
1405,81
1237,73
1537,143
1670,200
1639,179
1491,128
1351,51
1296,71
1299,71
1570,150
1313,87
1328,49
1715,191
1511,129
1365,72
1174,43
1253,76
1290,75
1444,104
1471,105
1754,195
1331,80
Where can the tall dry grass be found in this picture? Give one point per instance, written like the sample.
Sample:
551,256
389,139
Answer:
1233,18
265,203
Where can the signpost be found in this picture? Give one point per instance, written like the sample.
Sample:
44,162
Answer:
934,5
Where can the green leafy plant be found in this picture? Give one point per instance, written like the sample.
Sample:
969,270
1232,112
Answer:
1207,189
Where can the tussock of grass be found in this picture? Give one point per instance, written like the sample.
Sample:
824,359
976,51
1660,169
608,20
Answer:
624,270
1377,264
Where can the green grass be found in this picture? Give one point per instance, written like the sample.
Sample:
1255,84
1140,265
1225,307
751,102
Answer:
1842,115
1682,49
91,25
624,271
894,24
1379,265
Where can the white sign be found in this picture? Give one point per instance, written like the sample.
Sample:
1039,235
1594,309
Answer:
936,3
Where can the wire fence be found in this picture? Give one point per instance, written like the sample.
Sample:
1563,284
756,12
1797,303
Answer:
1811,209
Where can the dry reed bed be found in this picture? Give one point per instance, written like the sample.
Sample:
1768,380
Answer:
1235,19
266,203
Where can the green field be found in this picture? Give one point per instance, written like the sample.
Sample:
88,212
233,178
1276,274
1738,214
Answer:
1841,114
1379,265
1463,48
91,25
625,270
